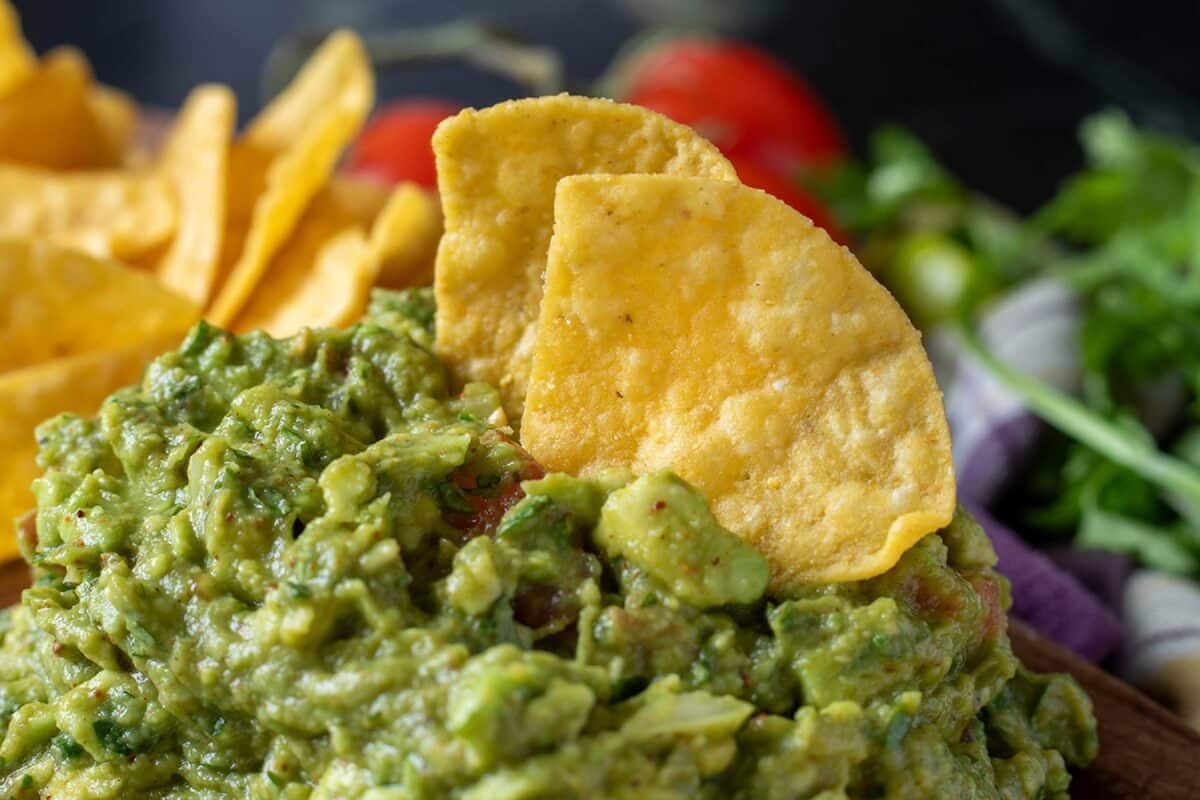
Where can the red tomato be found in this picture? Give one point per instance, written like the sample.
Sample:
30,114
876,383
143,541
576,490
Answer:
487,510
789,191
747,103
395,147
488,506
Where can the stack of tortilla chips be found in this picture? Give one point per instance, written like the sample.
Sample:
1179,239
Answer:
637,306
110,252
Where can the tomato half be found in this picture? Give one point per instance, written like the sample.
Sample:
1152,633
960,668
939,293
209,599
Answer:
791,192
747,103
394,145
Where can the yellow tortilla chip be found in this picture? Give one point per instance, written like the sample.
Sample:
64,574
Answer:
50,119
58,302
405,237
496,174
362,198
28,396
116,115
322,276
17,61
245,181
287,154
706,326
106,214
194,160
327,287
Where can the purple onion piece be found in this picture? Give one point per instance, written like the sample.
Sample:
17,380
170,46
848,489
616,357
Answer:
988,467
1053,602
1103,573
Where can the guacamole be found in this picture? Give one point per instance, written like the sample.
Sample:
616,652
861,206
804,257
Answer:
302,569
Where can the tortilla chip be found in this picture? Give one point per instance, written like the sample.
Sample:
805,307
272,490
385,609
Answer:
708,327
28,396
116,115
496,173
50,119
194,160
405,237
57,302
17,61
327,285
286,155
105,214
322,276
362,198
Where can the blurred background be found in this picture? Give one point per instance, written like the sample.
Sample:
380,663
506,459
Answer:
995,87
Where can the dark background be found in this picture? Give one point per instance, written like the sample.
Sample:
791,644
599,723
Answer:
996,86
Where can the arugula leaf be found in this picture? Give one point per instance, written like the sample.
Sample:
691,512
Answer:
1135,451
1152,545
1135,177
904,180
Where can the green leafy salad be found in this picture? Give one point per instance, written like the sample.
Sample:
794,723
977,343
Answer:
1122,470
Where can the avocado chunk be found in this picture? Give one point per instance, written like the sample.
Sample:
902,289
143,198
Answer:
663,525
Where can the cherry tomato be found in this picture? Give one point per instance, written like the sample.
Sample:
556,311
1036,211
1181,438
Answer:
789,191
747,103
477,510
486,510
395,147
763,117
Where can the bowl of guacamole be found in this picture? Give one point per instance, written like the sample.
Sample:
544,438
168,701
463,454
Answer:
302,568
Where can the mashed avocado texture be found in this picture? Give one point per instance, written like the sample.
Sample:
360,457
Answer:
300,569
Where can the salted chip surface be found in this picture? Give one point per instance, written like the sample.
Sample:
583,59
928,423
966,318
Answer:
706,326
497,169
31,395
194,160
284,157
105,213
59,302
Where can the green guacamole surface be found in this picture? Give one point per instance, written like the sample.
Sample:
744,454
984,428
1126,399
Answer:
301,569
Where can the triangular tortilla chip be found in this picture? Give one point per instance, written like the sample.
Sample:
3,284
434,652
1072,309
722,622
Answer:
58,302
496,174
50,119
328,287
321,277
195,160
108,214
706,326
362,198
405,237
17,61
116,116
285,156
